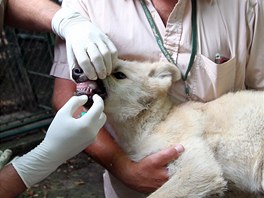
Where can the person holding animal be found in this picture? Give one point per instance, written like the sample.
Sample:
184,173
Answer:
57,146
224,138
217,45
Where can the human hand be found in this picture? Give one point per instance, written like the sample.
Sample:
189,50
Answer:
65,138
87,46
150,173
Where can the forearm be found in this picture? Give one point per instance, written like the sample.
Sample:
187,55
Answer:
144,176
31,14
11,185
107,152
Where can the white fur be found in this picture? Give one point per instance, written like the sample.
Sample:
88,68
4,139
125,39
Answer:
223,139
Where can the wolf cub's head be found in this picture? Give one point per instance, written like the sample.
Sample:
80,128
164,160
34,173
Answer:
133,86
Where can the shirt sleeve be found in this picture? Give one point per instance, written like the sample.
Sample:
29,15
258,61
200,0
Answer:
60,66
255,65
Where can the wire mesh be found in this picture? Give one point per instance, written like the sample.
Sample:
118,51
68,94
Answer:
25,84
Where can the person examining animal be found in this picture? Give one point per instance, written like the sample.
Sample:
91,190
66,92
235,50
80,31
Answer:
47,16
217,46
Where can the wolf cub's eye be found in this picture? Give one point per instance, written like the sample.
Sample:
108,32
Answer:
119,75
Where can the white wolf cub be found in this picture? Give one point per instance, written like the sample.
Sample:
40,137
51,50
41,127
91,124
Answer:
223,139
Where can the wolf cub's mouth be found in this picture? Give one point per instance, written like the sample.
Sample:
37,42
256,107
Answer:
87,87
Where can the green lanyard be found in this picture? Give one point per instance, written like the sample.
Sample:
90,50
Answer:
159,40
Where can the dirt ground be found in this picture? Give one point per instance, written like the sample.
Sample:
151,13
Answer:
79,177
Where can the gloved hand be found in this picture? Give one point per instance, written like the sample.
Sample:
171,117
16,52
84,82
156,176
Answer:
65,138
86,44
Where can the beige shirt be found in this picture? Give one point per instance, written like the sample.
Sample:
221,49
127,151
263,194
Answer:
2,13
232,28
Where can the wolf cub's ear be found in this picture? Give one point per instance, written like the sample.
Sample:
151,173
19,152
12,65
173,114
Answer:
166,70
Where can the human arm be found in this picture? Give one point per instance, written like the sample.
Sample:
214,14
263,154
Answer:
35,15
11,184
87,46
56,147
144,176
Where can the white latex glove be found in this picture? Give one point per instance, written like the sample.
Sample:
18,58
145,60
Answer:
66,137
86,44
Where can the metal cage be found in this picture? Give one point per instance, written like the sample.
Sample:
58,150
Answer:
25,84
